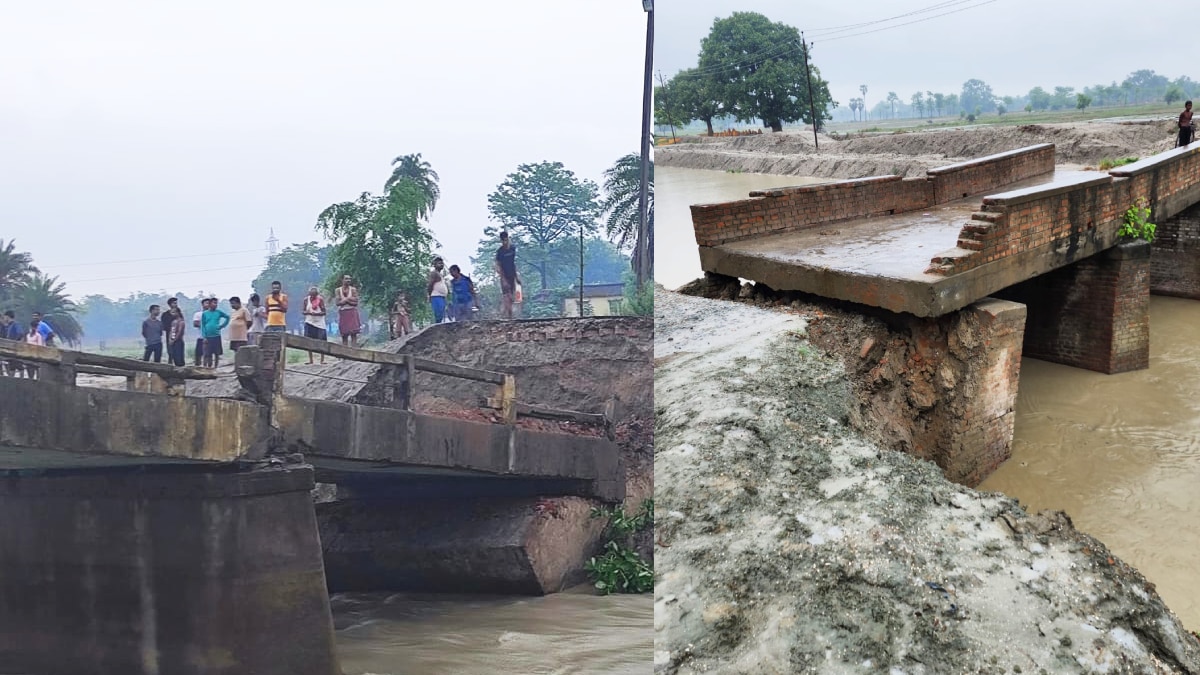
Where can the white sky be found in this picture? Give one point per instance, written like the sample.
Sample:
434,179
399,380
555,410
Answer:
1013,45
133,130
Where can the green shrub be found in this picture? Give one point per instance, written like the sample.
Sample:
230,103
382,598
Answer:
619,569
1106,164
1137,223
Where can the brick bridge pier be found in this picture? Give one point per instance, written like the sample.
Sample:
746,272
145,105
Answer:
978,263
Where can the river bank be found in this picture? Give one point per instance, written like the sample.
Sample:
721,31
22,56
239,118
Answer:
787,542
911,153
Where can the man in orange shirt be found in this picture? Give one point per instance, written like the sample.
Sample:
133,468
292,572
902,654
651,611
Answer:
277,306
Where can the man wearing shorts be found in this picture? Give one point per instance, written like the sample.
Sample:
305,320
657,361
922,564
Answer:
506,269
277,306
212,322
314,319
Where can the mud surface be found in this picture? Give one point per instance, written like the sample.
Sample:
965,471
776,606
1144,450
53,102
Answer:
911,153
787,542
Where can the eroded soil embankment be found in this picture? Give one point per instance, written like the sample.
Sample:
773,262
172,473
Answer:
788,543
911,153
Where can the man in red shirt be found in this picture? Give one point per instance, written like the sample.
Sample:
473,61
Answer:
1185,125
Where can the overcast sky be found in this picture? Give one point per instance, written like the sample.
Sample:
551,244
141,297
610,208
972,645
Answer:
1013,45
134,130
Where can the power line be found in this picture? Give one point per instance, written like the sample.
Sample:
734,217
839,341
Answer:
795,48
838,29
153,260
909,23
166,274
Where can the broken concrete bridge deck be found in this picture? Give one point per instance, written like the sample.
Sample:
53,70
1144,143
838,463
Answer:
879,261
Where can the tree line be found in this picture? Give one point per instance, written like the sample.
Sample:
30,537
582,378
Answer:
750,68
384,241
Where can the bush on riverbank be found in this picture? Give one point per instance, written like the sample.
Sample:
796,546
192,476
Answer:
619,568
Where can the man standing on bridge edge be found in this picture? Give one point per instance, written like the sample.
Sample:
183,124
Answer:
1185,125
212,322
506,268
152,333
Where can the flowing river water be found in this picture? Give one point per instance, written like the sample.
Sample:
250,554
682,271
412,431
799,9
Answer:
1119,453
560,634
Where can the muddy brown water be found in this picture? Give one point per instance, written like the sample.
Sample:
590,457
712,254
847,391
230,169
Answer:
676,259
1119,453
559,634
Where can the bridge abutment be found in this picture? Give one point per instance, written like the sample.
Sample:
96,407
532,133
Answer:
1092,314
163,569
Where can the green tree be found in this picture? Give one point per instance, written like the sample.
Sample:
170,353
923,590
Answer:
892,100
1039,98
939,101
1082,101
952,103
621,201
1001,109
1174,93
16,267
863,101
667,111
760,68
696,97
918,103
382,242
1145,84
295,268
543,204
46,294
977,94
412,168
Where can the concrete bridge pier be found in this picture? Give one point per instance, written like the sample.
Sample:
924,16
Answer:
1092,314
162,569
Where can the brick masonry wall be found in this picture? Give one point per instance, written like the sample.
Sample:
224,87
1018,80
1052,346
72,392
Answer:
1092,314
1014,224
797,208
1175,257
977,176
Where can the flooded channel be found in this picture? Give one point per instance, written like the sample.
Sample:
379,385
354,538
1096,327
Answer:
676,260
1119,453
560,634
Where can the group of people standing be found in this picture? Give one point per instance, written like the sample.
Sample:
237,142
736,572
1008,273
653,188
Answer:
39,333
454,298
245,323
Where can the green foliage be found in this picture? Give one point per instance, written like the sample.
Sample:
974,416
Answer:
382,242
977,95
295,268
971,117
622,199
46,294
696,96
758,71
420,174
1082,101
1028,107
1136,224
619,569
1000,109
1106,164
1174,93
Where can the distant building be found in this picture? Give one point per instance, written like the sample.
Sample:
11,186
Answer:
598,299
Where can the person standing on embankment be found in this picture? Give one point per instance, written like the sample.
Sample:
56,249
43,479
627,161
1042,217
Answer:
1185,125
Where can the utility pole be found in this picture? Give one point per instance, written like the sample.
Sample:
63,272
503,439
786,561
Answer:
642,254
811,107
581,269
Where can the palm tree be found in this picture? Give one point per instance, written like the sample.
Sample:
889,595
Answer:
15,268
412,168
863,101
622,192
46,294
892,98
